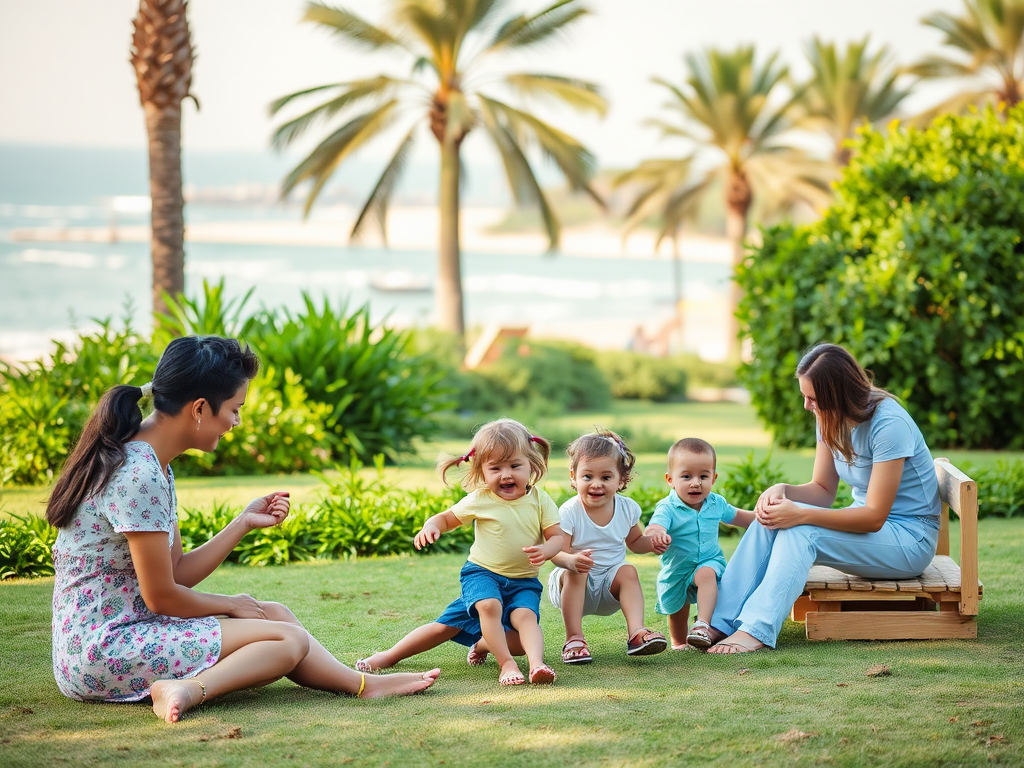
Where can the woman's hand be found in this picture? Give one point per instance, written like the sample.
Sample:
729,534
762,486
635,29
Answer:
268,511
773,495
782,514
246,607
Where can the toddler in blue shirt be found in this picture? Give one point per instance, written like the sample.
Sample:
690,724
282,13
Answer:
686,522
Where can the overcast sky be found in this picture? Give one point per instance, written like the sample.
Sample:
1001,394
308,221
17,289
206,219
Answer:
65,77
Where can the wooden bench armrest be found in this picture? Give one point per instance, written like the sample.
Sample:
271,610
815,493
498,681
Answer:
959,492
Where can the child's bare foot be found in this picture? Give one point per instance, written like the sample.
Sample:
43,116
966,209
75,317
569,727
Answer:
511,674
737,642
173,698
542,674
476,656
373,663
399,684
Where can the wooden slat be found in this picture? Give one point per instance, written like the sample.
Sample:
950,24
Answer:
849,595
909,585
889,625
883,586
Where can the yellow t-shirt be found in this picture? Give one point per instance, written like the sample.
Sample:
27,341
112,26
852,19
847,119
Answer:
503,528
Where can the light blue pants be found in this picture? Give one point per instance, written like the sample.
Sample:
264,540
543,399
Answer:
768,571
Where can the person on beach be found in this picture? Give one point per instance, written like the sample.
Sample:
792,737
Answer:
686,522
592,576
867,439
127,623
516,531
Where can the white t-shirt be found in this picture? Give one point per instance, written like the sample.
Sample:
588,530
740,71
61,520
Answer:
608,542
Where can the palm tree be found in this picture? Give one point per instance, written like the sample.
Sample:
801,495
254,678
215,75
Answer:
846,90
448,42
991,38
732,116
162,55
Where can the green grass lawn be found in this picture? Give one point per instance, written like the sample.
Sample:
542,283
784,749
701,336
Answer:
945,702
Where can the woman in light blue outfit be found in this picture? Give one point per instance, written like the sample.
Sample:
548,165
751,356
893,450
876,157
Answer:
867,439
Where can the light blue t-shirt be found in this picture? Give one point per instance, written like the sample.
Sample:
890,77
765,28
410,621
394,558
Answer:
694,532
892,434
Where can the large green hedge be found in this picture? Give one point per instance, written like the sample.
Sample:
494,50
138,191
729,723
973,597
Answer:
918,270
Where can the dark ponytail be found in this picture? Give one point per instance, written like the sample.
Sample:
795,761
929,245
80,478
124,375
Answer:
192,367
98,453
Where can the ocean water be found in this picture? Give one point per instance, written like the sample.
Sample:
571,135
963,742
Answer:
48,289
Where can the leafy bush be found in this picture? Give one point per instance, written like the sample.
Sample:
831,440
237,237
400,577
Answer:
1000,488
282,431
746,480
44,404
916,269
381,396
26,544
544,377
636,376
209,315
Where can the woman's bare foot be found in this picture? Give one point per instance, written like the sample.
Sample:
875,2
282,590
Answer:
737,642
173,698
399,684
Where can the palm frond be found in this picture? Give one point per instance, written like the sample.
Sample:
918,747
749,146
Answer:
321,163
278,104
435,29
523,31
350,26
378,87
578,94
521,179
576,163
376,205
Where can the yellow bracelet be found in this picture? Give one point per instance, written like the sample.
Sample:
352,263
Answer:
362,685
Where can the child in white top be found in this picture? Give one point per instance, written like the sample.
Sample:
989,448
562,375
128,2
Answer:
591,575
516,531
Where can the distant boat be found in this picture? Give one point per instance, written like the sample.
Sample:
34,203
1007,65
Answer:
400,281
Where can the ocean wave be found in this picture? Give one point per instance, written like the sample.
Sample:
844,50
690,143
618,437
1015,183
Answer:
70,259
60,212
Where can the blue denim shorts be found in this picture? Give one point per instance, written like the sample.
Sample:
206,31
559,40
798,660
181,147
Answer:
481,584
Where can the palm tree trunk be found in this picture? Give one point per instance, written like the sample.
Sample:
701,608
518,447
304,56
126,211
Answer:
163,124
448,291
737,206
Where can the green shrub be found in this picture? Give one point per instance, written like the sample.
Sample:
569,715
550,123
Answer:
1000,488
209,315
381,396
44,404
542,377
917,270
636,376
282,431
25,547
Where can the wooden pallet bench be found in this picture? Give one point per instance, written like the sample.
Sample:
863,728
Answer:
940,603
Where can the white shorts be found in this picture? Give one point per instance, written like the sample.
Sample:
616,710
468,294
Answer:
598,600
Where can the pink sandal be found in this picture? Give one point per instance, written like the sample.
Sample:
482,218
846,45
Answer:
575,651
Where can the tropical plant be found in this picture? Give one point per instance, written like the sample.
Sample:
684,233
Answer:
450,42
44,404
735,119
990,40
916,269
210,314
846,90
381,397
162,55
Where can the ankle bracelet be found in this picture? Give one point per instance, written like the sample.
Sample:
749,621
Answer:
202,687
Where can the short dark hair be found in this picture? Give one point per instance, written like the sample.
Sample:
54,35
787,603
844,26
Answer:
691,445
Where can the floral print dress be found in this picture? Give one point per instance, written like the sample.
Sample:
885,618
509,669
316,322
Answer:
107,645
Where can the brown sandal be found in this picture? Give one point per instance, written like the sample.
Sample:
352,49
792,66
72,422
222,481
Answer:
645,642
575,651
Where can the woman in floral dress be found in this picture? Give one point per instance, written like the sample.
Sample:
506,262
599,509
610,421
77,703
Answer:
127,623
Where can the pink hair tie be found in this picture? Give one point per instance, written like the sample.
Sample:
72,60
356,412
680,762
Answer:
534,439
467,456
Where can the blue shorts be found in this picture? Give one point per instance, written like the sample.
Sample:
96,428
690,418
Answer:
481,584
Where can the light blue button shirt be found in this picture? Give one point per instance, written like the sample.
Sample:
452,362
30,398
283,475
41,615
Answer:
694,533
